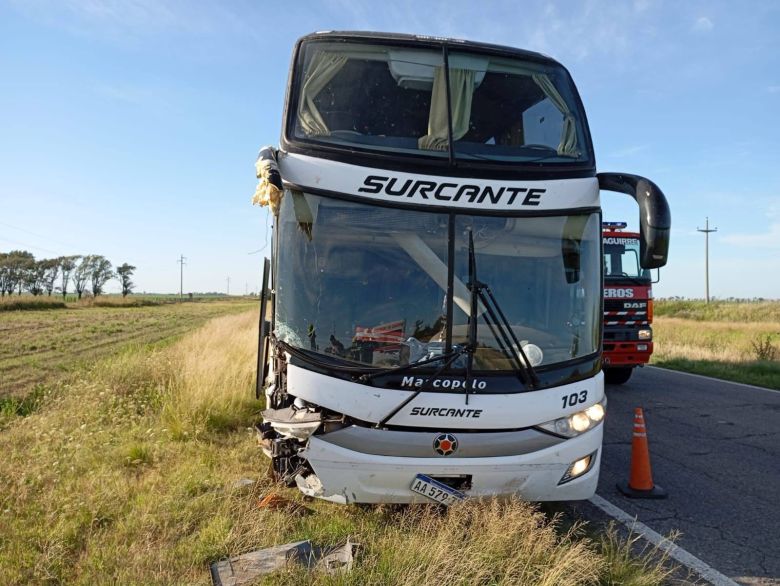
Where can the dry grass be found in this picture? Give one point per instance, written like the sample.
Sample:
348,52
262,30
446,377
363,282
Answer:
95,484
477,542
702,340
741,342
128,475
39,346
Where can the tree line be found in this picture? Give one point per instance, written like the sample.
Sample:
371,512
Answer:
20,271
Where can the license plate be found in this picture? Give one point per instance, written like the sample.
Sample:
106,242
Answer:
435,490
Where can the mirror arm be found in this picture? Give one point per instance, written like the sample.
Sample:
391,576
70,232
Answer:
655,218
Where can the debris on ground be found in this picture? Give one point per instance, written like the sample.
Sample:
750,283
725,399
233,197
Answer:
275,502
243,484
246,568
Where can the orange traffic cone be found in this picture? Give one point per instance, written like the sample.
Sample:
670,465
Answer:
640,483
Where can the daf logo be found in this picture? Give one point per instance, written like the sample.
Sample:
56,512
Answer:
445,444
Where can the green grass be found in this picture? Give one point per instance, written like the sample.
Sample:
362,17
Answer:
762,374
128,473
31,302
11,407
28,302
38,347
721,311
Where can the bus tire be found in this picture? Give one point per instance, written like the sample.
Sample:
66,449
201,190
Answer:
617,376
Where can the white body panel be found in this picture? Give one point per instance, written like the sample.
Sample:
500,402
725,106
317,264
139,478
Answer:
348,476
483,412
450,192
358,401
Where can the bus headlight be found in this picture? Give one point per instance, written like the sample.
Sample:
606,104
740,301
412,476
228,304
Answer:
578,468
577,423
645,334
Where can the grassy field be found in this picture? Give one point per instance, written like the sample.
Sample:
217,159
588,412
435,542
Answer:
127,473
32,302
729,340
38,346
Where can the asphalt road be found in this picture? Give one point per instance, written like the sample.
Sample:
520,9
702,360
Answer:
715,448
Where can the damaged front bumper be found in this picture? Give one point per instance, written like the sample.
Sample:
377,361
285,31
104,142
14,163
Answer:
332,442
345,475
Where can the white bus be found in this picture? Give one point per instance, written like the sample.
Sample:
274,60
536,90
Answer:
432,309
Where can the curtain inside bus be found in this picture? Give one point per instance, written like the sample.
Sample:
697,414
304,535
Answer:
461,93
322,68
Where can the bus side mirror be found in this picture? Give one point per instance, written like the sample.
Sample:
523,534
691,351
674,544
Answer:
655,219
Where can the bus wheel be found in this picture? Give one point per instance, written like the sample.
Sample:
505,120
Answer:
617,376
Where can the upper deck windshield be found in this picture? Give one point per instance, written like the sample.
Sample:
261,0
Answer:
621,257
368,284
394,99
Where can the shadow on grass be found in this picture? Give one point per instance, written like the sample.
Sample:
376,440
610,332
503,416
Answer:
762,373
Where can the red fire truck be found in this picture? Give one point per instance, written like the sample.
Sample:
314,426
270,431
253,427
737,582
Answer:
628,305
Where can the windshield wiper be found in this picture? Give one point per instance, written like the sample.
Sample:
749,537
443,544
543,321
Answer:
452,357
360,372
497,323
328,362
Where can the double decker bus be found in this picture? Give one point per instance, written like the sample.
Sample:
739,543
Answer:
431,314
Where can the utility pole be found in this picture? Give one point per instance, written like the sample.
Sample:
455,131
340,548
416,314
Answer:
228,285
181,260
707,231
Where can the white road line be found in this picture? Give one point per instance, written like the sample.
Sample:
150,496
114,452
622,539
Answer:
710,378
675,551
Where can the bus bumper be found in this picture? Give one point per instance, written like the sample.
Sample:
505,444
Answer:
347,476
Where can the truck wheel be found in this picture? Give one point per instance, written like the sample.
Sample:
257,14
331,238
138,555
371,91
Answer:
617,376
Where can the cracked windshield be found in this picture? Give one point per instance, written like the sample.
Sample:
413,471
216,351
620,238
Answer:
369,284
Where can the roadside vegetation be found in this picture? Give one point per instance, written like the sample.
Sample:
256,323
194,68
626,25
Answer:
21,271
131,471
38,347
28,302
731,340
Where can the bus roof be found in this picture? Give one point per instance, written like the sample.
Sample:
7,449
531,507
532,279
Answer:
431,41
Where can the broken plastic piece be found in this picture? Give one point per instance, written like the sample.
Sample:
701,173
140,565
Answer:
312,486
246,568
291,422
243,484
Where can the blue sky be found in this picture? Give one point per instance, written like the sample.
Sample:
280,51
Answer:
129,128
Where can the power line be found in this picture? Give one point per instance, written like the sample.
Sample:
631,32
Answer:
47,238
267,226
29,245
181,260
707,230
